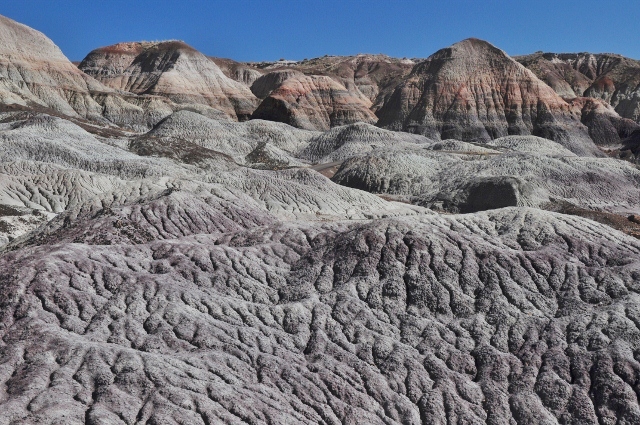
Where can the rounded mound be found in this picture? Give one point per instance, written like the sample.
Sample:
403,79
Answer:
452,145
362,134
530,144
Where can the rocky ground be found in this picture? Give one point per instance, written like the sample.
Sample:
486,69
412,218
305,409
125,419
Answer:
164,259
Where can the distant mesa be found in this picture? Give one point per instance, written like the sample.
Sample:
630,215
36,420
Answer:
341,88
559,74
368,77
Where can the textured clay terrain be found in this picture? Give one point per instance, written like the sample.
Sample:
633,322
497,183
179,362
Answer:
173,251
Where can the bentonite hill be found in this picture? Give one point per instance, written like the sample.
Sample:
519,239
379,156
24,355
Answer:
340,240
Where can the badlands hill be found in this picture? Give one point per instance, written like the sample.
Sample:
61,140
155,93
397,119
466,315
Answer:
521,171
313,103
35,74
610,77
171,69
366,76
474,91
333,90
164,260
241,72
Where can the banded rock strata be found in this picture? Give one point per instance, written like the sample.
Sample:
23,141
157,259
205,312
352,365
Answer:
473,91
370,77
35,74
312,103
171,69
612,78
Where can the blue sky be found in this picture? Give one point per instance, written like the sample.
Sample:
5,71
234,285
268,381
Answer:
271,29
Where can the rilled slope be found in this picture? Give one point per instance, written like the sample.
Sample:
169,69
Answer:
473,91
172,69
515,315
160,278
49,165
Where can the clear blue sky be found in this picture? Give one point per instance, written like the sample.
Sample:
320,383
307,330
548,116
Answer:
271,29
